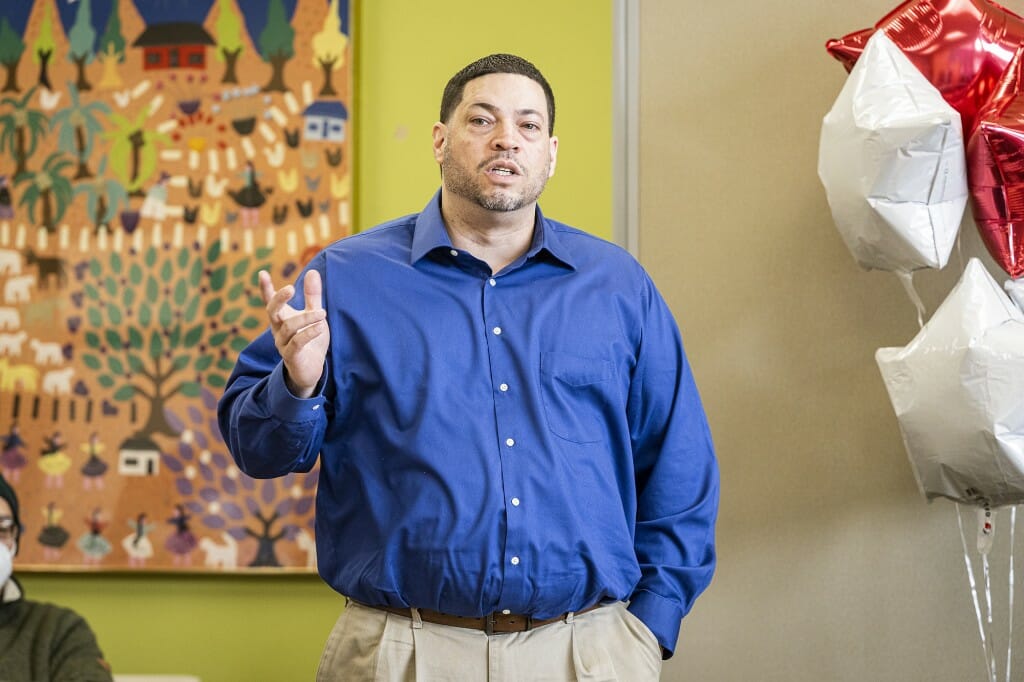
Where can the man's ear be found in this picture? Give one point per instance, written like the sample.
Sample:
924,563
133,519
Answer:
440,133
553,151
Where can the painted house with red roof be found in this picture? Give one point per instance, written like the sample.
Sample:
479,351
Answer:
174,45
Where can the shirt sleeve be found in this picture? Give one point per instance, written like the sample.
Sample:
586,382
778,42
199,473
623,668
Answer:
75,654
269,431
676,475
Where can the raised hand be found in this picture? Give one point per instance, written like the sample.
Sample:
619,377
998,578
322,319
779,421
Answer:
301,336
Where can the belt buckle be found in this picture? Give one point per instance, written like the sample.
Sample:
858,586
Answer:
489,624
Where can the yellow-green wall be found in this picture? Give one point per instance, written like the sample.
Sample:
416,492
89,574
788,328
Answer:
228,629
407,52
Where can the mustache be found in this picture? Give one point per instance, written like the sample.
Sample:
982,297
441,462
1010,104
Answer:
508,157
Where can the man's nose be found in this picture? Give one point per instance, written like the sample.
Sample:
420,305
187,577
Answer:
504,137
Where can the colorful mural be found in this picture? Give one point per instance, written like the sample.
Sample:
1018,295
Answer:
154,155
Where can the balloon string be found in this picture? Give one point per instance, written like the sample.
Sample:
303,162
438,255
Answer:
988,616
988,589
1009,642
985,647
907,280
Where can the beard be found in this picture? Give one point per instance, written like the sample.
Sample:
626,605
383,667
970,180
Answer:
460,182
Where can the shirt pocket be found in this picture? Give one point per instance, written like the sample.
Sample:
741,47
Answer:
575,392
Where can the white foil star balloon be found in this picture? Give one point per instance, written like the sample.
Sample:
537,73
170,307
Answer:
958,393
891,158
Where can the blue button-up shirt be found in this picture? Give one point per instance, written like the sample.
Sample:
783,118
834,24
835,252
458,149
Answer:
530,440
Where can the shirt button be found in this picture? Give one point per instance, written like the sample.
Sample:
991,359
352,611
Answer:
509,442
515,561
454,252
515,501
316,407
492,281
505,612
497,331
503,387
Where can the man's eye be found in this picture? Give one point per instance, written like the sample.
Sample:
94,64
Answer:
531,126
478,121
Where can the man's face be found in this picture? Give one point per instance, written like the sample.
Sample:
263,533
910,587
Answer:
8,531
495,150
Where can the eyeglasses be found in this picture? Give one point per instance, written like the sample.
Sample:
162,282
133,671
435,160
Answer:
8,530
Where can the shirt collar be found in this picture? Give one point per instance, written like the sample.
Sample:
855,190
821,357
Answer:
10,591
430,234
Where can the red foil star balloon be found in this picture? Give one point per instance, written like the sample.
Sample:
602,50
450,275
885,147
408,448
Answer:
995,171
961,46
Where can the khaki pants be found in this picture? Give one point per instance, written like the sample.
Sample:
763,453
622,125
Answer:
608,644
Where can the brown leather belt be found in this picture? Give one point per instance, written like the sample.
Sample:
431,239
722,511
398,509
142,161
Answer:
491,623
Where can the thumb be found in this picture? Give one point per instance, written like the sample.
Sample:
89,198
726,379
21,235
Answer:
313,290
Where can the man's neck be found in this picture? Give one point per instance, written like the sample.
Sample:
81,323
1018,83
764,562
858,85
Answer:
495,237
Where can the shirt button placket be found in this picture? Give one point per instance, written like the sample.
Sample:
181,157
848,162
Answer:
505,412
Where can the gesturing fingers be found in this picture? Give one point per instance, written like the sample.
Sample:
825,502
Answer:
285,320
296,321
276,300
266,286
300,335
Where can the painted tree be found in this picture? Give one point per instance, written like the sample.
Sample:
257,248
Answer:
82,38
103,196
77,126
111,49
11,49
162,322
43,47
277,44
48,189
21,128
329,46
134,150
225,499
229,39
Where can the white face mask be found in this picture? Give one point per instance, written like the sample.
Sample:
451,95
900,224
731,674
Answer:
6,563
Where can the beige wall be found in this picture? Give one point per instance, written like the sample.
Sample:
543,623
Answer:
831,565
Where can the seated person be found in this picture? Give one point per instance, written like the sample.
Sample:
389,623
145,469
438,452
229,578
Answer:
39,641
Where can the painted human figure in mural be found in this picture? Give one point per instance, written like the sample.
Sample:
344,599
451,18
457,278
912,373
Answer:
183,542
138,545
93,545
53,461
12,459
6,207
250,197
155,205
53,536
94,468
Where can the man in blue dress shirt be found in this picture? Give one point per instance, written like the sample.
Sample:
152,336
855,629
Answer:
517,479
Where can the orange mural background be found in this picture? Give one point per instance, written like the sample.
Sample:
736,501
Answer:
148,170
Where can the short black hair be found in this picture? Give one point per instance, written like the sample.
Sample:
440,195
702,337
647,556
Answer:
495,63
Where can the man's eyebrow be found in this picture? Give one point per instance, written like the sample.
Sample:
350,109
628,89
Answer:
495,110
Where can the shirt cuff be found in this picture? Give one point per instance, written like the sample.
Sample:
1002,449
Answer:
288,408
661,616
